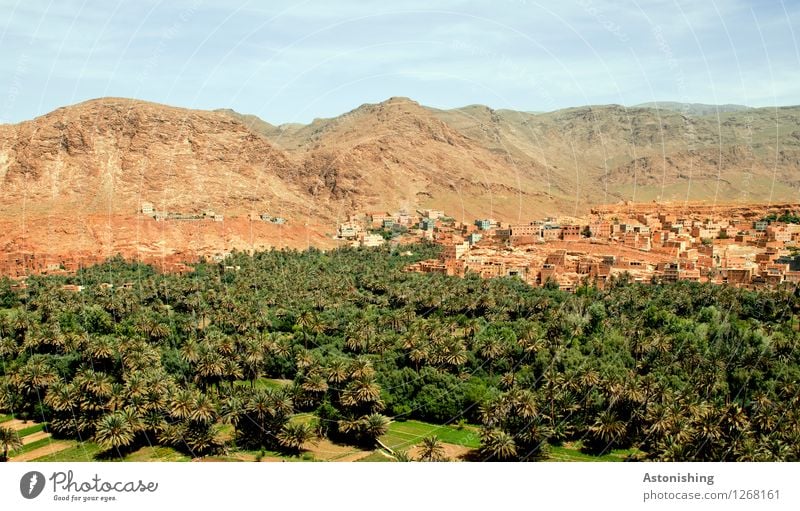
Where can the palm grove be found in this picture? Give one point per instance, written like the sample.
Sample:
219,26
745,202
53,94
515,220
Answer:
679,372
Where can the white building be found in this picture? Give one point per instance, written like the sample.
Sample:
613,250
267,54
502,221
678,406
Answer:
372,240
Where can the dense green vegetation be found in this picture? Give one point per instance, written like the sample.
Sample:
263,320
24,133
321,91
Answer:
787,217
667,372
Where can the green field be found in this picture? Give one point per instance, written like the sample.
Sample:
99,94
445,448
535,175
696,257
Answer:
30,430
5,418
402,435
88,451
305,418
31,446
83,451
572,452
376,457
156,453
261,383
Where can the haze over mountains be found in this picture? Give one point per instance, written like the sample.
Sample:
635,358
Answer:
105,156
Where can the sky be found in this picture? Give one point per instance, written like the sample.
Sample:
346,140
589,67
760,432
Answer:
293,61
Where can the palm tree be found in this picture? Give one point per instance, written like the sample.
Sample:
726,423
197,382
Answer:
203,411
491,348
304,359
402,456
373,426
137,356
315,384
210,368
455,354
361,368
101,348
607,430
253,359
190,352
9,440
498,445
201,439
232,371
182,403
60,397
115,431
8,348
35,376
304,322
338,371
418,355
363,391
471,328
294,435
350,426
431,449
357,341
318,327
231,408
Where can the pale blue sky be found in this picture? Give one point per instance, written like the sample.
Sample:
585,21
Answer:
291,61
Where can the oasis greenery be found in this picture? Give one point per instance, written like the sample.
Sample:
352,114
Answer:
681,372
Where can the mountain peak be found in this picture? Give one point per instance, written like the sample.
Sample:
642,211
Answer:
399,100
392,103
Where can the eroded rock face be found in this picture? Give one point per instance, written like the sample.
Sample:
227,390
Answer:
74,180
113,153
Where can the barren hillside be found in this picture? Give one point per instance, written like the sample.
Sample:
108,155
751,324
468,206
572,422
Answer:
76,177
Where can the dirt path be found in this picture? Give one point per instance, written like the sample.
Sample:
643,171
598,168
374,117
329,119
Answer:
325,450
34,437
451,451
42,451
17,424
354,456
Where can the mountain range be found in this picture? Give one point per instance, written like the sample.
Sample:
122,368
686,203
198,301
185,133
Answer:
92,164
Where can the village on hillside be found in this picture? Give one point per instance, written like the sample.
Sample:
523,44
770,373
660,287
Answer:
744,246
18,264
647,245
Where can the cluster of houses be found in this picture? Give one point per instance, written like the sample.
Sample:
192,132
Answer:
735,246
22,263
75,288
374,228
19,264
266,217
648,247
148,209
